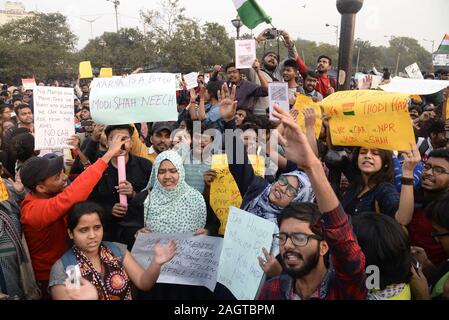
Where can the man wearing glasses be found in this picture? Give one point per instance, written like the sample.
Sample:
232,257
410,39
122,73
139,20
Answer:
308,232
435,184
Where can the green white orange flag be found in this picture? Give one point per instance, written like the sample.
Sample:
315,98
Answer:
251,13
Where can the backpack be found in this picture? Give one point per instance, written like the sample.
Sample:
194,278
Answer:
69,259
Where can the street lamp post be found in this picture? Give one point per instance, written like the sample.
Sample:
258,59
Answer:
336,32
116,3
358,57
348,10
396,72
102,44
237,23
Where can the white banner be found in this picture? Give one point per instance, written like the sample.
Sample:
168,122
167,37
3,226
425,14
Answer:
415,86
143,97
54,118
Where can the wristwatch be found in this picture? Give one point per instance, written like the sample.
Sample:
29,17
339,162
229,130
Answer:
407,181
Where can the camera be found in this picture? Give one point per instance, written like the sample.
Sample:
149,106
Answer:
272,34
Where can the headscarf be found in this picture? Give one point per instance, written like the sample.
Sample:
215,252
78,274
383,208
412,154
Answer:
180,210
262,207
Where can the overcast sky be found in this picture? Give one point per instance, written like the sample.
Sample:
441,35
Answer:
413,18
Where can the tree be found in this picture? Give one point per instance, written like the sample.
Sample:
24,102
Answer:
41,46
125,50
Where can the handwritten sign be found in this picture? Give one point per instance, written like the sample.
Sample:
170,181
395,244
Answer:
191,80
28,84
245,53
143,97
302,102
106,73
414,72
195,263
278,94
53,117
85,70
245,236
369,118
224,190
415,86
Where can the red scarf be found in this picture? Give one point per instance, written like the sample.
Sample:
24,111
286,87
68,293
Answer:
113,283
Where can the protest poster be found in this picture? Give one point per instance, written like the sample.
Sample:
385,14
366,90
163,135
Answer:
302,102
85,70
196,261
245,53
224,191
179,84
28,84
415,86
191,80
106,73
206,78
278,94
368,118
53,117
244,239
413,71
143,97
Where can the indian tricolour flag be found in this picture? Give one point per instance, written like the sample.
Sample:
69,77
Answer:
251,13
444,46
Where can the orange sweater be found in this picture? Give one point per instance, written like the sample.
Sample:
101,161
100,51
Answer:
44,220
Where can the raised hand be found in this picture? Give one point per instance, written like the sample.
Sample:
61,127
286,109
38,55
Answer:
411,160
86,291
309,117
269,265
163,254
228,104
256,65
74,141
295,143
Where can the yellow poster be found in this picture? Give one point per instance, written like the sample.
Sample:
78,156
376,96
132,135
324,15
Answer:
224,191
106,73
370,118
302,102
85,70
4,194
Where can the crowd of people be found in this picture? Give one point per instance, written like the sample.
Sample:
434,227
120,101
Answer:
340,210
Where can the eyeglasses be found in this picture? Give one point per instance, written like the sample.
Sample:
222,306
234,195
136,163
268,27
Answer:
436,235
299,239
435,170
291,191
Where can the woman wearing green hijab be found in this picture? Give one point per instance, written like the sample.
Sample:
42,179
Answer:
172,206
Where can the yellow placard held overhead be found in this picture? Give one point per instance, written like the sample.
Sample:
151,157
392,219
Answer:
85,70
302,102
367,118
224,192
106,73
